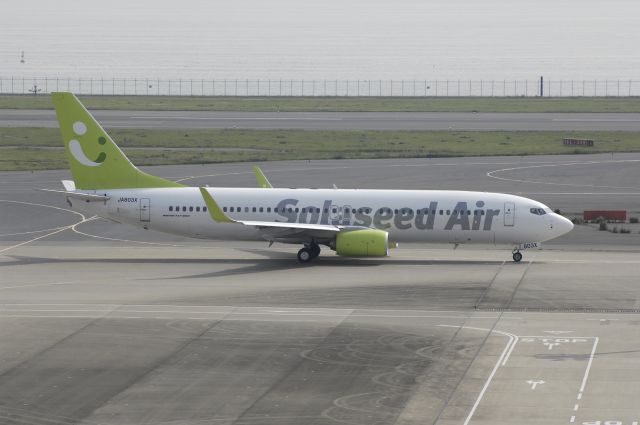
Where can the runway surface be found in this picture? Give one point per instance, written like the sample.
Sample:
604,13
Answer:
104,324
340,120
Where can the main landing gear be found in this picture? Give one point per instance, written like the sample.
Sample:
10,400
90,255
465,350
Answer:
309,252
517,255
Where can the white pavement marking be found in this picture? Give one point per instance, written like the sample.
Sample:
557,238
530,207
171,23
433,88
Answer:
48,234
33,231
563,164
535,383
286,170
73,227
506,352
501,361
178,117
586,373
594,120
31,285
7,309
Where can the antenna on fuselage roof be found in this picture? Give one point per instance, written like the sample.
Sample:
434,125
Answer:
334,186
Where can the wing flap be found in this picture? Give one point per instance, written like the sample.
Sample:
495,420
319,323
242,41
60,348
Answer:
298,226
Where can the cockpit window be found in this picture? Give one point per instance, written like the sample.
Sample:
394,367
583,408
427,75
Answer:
537,211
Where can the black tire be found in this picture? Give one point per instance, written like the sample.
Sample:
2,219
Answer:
305,255
315,251
517,257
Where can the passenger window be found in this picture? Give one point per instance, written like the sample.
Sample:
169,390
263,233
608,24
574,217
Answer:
191,209
177,208
224,209
297,209
253,209
246,209
204,209
441,212
197,209
334,210
171,208
268,209
184,209
261,209
448,212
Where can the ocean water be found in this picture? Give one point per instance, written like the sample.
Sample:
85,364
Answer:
329,39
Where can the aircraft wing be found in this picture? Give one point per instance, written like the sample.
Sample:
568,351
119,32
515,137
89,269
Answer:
261,178
275,230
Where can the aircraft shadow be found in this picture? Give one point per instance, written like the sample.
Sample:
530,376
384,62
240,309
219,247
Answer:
272,261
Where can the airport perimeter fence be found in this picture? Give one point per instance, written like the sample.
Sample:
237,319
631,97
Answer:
321,88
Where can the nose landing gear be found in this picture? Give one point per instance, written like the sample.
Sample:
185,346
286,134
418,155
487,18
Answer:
517,255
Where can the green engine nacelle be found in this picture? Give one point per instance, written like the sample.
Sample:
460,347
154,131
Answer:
362,243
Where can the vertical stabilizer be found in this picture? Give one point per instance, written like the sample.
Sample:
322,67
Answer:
96,161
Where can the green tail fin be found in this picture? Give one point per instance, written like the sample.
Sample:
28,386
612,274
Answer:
96,161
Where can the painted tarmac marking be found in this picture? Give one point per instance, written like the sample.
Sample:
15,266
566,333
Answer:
535,383
506,352
33,231
491,173
178,117
62,229
586,377
550,345
527,339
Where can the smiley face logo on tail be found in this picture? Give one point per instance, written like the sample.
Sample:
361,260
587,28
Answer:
79,128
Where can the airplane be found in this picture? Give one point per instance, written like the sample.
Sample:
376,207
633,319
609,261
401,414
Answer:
351,222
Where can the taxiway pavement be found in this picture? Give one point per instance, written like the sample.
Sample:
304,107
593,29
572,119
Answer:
339,120
101,323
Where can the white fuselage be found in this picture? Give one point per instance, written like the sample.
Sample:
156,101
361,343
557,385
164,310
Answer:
407,215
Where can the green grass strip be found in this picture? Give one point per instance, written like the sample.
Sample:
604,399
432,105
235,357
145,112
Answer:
41,148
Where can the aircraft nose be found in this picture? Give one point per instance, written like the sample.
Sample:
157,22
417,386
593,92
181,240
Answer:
562,224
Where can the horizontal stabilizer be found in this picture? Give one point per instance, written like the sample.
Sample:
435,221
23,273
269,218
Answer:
79,195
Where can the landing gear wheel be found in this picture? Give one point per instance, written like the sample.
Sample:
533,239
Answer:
315,251
305,255
517,256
